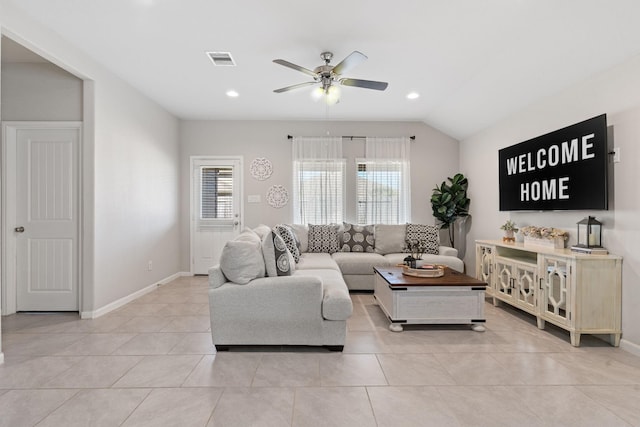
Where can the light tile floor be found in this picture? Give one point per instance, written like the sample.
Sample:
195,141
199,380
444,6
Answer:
152,363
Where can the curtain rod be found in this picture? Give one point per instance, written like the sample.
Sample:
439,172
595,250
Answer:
351,137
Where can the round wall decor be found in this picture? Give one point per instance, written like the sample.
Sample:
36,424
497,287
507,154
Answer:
261,168
277,196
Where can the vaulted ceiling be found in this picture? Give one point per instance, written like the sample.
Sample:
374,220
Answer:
472,62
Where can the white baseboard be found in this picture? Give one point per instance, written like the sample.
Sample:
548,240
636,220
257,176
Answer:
630,347
127,299
174,277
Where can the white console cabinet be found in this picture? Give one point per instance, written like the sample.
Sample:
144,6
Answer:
577,292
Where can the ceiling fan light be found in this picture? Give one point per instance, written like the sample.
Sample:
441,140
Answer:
333,95
317,93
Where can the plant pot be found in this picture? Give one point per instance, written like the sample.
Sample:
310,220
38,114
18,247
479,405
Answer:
557,243
509,236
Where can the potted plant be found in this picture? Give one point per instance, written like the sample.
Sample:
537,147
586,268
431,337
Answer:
509,228
416,248
544,236
450,202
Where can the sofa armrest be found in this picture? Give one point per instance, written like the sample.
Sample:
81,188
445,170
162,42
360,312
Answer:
267,298
447,251
216,277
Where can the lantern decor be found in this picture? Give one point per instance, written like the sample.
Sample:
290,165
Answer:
589,237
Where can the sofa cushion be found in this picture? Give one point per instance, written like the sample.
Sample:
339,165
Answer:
248,235
390,238
302,234
323,238
317,261
290,239
241,261
359,263
277,259
357,238
426,235
262,230
336,302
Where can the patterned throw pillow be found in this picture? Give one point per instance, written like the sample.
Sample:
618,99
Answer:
290,239
277,259
358,238
323,238
425,233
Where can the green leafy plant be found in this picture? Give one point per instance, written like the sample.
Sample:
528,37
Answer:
449,202
509,226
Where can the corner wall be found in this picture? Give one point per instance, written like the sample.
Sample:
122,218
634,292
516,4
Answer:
615,92
130,176
40,92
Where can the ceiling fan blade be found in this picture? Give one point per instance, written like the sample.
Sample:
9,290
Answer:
299,85
354,58
367,84
295,67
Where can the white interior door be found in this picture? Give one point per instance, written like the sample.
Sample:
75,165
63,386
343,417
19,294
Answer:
216,210
46,218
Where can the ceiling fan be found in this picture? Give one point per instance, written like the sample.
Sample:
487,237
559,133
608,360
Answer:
327,74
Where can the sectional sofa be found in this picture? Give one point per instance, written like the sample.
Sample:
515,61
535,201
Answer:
290,285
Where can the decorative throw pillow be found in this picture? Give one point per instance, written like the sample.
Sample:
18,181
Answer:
262,230
277,259
358,238
301,231
290,239
241,261
390,238
323,238
426,234
248,235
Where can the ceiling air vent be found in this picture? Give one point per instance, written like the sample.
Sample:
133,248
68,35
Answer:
221,59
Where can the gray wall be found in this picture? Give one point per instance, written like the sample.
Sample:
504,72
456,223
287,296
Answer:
40,91
434,157
616,93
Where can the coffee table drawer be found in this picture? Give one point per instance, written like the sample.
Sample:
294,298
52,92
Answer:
445,304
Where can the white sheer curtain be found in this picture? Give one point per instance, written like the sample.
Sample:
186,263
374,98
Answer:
384,182
318,180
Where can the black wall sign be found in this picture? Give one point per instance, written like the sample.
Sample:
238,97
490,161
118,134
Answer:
562,170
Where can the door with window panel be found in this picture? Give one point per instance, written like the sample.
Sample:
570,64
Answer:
216,212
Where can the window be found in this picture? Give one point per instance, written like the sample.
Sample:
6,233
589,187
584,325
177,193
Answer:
318,191
382,194
216,197
217,193
318,180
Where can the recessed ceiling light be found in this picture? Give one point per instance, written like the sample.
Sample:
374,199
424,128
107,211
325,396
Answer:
232,94
413,95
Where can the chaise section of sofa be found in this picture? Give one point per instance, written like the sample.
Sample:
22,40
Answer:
294,310
307,307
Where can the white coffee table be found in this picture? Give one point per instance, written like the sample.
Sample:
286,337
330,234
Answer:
454,298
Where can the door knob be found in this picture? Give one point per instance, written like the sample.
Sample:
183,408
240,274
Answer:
19,229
